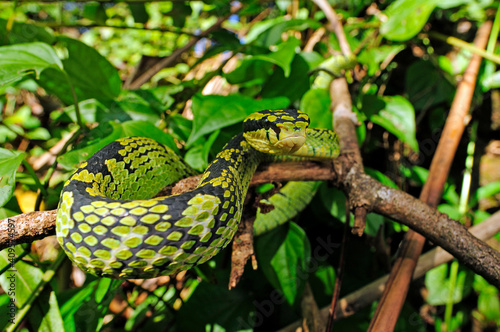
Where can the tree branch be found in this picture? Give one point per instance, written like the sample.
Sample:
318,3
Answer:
37,225
363,191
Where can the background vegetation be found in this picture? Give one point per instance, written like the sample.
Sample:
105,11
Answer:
70,82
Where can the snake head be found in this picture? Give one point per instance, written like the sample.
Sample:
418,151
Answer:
276,131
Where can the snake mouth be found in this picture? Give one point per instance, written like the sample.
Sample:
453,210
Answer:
291,144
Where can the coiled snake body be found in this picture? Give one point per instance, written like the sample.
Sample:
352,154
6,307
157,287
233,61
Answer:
109,226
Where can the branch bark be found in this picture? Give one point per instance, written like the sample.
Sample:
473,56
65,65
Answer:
364,191
32,226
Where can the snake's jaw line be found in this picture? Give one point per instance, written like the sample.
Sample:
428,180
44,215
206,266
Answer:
291,144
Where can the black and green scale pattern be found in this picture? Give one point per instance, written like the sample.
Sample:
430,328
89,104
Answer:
109,226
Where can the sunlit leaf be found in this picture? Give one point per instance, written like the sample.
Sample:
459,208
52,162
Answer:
395,114
405,18
437,282
9,162
214,112
17,61
285,262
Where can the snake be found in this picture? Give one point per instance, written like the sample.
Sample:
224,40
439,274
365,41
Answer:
110,224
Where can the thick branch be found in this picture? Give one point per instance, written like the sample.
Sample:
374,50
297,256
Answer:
26,228
435,226
363,191
37,225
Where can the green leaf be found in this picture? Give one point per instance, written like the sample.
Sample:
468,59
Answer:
84,310
106,133
5,318
139,12
11,208
104,286
327,276
91,75
492,81
427,85
488,302
380,177
292,87
373,57
71,304
405,18
285,266
437,282
419,175
17,61
23,33
451,210
373,223
95,12
216,305
250,72
214,112
485,192
395,114
283,56
91,110
334,201
9,162
316,103
197,156
445,4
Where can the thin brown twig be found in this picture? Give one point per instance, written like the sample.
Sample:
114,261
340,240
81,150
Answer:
340,271
334,25
394,296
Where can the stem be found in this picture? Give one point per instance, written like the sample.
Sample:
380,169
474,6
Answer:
451,290
38,184
340,271
75,101
460,43
462,208
494,32
469,162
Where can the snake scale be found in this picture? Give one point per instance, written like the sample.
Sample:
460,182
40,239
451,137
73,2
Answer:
109,225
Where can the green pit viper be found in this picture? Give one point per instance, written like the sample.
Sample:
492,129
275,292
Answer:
109,225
